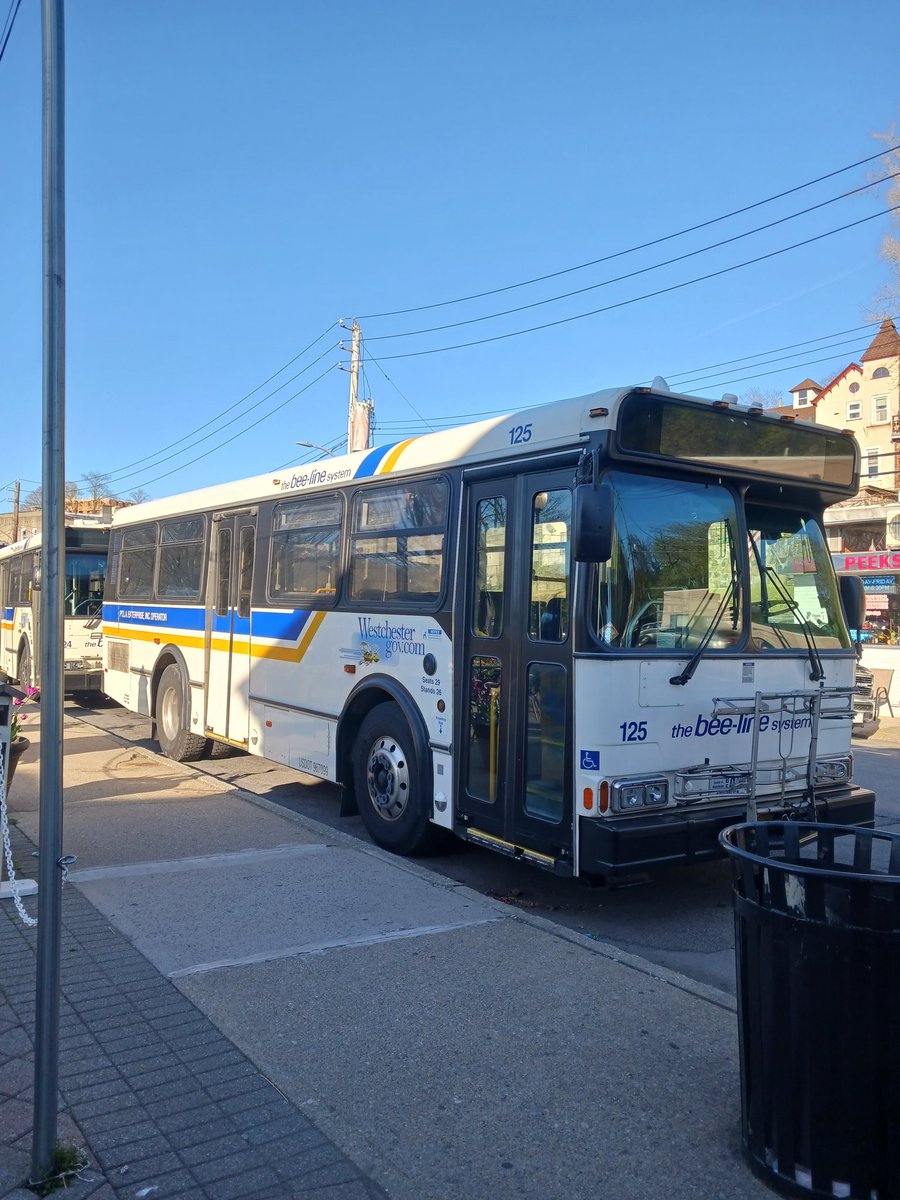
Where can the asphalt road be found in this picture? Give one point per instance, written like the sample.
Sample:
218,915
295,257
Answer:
680,918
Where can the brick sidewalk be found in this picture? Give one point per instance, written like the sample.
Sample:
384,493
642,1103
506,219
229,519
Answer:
163,1103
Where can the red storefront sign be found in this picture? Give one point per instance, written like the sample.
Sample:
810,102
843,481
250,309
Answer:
881,561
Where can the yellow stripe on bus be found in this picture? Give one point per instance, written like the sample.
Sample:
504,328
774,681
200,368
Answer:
257,649
391,461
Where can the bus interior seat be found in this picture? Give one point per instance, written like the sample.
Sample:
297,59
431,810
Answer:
551,620
489,613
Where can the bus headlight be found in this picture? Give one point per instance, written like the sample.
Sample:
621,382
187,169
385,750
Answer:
834,770
634,795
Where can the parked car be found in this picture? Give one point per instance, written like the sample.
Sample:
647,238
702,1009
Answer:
865,717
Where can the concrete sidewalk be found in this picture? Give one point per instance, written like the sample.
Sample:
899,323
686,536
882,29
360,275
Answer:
255,1006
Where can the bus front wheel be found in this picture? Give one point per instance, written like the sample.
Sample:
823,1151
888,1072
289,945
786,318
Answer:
388,784
171,705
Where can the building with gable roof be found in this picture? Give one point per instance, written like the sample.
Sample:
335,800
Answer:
864,533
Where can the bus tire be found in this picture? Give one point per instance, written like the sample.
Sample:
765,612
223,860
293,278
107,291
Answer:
387,783
171,710
216,749
23,670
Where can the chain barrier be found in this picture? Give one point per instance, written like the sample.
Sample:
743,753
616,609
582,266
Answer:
7,851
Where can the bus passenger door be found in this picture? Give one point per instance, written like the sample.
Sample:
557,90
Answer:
515,710
228,626
488,655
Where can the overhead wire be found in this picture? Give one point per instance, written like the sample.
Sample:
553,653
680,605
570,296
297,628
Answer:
634,249
668,262
240,432
729,362
119,472
696,376
499,337
8,25
162,458
423,419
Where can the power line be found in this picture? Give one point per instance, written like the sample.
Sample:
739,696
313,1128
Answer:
119,471
730,362
695,376
161,458
668,262
8,26
499,337
240,432
424,420
633,249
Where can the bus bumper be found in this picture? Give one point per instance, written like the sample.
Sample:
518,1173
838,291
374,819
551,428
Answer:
83,681
625,845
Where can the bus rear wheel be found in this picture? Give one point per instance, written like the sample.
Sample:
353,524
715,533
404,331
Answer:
23,671
387,781
171,707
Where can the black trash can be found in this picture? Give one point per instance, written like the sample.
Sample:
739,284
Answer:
817,943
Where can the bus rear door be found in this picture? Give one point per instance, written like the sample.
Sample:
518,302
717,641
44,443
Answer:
228,626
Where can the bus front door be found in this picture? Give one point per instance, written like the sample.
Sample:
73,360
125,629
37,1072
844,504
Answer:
228,626
515,710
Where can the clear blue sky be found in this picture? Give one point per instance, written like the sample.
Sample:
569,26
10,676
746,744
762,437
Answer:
239,176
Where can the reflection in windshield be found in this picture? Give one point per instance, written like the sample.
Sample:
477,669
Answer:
791,585
84,584
673,579
669,581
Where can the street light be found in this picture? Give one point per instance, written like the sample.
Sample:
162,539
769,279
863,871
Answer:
313,446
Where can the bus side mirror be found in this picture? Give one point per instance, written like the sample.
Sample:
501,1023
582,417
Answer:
593,523
853,601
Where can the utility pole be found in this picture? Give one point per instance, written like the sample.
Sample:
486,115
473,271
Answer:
15,528
359,415
46,1038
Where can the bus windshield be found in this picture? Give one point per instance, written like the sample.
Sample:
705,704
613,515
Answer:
85,573
672,577
793,590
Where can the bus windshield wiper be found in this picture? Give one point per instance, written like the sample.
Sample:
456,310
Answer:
691,666
817,667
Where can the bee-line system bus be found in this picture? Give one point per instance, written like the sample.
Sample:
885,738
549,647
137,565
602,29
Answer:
86,544
589,635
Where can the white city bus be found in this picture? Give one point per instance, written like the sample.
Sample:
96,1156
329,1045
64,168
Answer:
86,544
589,635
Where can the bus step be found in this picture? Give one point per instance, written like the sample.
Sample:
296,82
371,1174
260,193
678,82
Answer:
545,861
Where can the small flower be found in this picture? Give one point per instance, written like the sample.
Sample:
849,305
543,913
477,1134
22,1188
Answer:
17,717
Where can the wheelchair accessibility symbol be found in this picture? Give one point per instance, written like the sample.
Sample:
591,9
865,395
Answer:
590,760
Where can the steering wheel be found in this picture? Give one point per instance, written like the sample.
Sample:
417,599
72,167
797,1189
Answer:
637,631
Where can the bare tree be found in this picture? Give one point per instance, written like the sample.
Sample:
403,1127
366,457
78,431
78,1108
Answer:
886,301
35,499
97,485
138,496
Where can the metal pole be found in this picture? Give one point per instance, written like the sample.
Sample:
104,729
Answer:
46,1065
